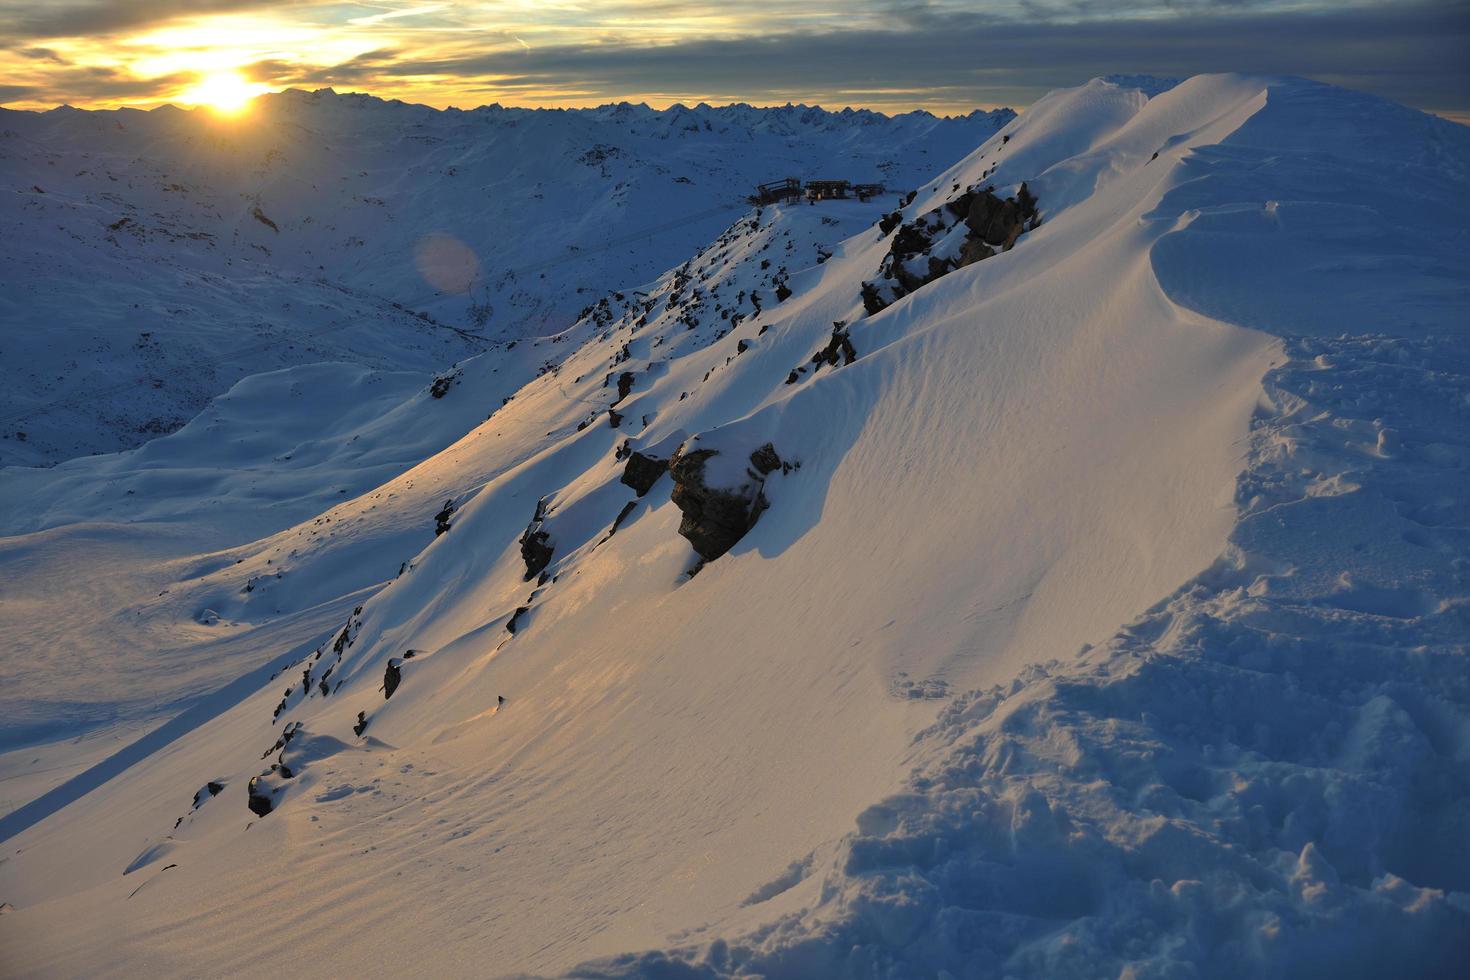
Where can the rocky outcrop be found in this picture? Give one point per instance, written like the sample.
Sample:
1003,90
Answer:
838,348
642,472
716,517
968,228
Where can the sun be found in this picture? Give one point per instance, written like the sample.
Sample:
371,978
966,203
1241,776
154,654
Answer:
225,92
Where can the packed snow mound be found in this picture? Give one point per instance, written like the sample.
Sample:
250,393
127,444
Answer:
810,530
153,259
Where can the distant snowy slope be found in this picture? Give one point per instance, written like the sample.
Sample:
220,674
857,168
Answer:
152,259
1061,575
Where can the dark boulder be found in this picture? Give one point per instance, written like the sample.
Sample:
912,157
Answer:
260,802
536,544
392,676
512,624
715,518
642,472
625,385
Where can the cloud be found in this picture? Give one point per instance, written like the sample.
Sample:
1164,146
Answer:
947,55
82,85
1413,53
89,18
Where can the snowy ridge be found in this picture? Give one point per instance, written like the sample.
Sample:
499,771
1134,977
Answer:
1266,774
617,668
185,252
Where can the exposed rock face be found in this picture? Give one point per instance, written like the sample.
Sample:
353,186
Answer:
926,248
536,544
715,518
392,675
642,472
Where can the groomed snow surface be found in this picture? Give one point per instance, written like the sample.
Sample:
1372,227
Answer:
1107,615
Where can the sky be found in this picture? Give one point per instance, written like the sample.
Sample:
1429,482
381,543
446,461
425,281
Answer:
947,56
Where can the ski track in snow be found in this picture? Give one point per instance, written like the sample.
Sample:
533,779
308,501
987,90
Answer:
1264,773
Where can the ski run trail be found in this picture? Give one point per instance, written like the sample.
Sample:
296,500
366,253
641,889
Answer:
1068,581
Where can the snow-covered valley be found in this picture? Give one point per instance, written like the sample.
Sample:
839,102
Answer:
1064,574
168,254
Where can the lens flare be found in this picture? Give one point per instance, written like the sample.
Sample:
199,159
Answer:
224,92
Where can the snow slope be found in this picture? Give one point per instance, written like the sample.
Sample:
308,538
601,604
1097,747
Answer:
155,258
1254,766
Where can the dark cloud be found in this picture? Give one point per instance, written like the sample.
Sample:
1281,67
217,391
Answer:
1415,53
43,54
89,18
361,70
88,84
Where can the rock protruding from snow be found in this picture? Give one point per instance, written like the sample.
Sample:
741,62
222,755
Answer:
718,515
643,471
966,229
536,544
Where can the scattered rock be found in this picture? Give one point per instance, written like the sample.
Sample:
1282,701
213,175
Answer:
259,215
840,346
622,516
441,519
